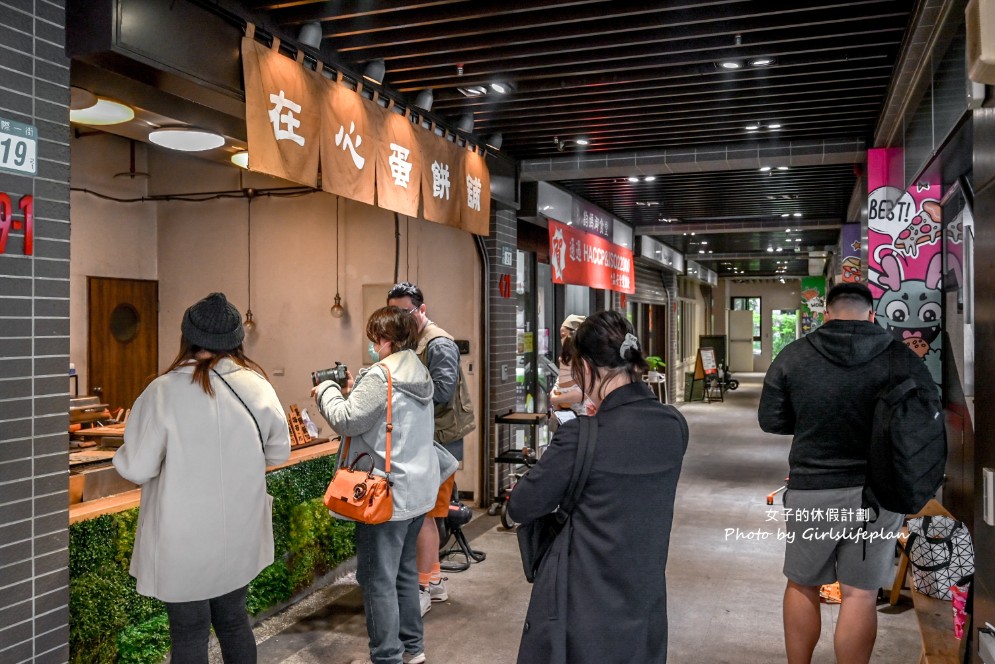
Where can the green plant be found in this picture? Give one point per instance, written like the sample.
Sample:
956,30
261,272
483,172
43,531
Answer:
655,362
146,642
111,622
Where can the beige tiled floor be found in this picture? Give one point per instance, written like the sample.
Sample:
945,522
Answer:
724,595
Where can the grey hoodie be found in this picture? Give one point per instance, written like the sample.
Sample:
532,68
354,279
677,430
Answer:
414,463
822,389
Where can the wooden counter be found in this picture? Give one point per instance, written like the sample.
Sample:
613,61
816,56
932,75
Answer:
124,501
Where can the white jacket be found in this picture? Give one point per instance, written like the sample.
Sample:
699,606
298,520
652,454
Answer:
414,463
205,523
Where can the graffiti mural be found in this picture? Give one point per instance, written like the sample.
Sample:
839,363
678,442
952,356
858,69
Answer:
813,304
850,253
905,264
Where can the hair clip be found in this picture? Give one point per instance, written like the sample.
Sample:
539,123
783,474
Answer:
631,342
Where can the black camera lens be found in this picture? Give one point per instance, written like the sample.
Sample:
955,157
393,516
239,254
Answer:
336,373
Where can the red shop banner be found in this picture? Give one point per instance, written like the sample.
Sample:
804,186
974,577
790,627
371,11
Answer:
583,259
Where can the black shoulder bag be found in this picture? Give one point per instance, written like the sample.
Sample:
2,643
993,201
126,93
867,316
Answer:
536,538
247,409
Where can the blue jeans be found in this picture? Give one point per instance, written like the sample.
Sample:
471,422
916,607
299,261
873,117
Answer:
387,570
190,628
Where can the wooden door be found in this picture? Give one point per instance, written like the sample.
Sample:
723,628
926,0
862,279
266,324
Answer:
122,339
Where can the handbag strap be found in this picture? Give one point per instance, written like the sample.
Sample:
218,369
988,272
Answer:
344,451
582,464
248,410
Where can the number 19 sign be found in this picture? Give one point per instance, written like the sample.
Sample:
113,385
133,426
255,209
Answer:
18,147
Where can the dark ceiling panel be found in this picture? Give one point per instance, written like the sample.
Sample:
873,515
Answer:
637,77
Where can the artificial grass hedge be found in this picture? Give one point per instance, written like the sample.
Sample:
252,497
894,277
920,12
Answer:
110,622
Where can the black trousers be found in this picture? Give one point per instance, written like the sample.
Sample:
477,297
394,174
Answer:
190,629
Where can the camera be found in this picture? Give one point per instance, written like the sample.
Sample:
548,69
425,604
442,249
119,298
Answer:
336,373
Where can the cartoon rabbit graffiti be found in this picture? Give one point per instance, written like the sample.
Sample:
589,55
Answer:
910,308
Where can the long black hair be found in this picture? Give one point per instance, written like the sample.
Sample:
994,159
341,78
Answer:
604,344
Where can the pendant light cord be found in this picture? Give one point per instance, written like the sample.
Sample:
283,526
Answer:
338,219
248,252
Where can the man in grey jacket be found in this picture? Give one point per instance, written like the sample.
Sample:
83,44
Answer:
438,351
822,390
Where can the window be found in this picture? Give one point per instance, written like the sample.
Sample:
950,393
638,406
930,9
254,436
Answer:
750,304
784,327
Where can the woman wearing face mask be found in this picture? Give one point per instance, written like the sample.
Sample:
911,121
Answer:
386,553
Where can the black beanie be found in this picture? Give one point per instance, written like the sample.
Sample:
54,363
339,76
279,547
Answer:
213,324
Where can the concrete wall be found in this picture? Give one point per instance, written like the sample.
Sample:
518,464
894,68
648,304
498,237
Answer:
34,345
109,239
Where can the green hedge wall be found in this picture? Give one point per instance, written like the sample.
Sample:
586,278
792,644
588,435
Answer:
110,622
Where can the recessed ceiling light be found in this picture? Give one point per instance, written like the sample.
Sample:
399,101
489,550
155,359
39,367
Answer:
473,91
753,126
779,249
782,168
633,179
186,139
787,230
582,141
798,214
761,62
649,178
499,88
704,241
770,249
241,159
701,251
104,112
798,239
786,214
764,169
731,64
775,125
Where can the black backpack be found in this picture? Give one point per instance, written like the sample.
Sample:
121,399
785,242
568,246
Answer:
908,451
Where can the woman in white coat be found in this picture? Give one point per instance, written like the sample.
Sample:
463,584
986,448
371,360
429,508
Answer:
198,441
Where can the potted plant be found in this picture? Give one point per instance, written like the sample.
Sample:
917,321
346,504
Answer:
656,364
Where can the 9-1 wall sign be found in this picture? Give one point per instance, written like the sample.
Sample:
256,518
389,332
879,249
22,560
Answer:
18,147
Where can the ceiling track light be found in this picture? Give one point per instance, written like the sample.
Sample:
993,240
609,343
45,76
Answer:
375,71
311,35
465,123
495,140
424,100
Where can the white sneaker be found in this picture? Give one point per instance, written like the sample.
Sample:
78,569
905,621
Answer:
437,591
414,659
425,598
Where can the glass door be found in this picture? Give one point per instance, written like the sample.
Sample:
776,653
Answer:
785,329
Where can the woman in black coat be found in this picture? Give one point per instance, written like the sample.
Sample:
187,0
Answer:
600,595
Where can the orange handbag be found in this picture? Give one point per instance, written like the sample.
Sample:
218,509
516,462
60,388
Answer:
359,494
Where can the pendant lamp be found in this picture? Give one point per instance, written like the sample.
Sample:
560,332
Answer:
338,311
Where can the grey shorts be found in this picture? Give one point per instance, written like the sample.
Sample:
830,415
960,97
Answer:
826,540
